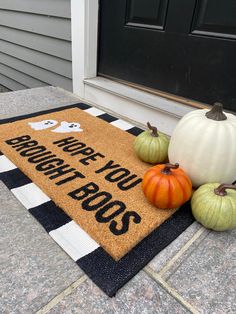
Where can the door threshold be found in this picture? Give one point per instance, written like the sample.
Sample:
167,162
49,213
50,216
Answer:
179,99
135,104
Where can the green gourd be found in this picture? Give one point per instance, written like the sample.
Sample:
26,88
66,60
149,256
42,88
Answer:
151,146
215,208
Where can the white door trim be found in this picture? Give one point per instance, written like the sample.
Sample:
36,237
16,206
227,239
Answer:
122,100
137,106
84,29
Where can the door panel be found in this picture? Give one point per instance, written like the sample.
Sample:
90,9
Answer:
160,48
215,18
152,15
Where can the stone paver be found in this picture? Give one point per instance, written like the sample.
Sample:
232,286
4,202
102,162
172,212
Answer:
207,278
34,268
168,269
140,295
33,100
166,255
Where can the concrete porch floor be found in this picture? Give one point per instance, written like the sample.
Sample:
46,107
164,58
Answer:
194,274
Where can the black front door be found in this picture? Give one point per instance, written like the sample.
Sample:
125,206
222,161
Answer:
183,47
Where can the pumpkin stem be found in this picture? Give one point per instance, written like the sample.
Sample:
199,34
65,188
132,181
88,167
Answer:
221,189
216,113
168,167
153,129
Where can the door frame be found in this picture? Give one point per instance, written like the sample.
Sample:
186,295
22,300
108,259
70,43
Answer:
122,100
84,29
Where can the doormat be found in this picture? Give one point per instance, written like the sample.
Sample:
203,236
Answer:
81,159
89,169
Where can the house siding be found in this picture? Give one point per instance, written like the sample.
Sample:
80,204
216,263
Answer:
35,44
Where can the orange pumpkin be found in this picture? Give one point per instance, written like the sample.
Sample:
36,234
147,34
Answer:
167,186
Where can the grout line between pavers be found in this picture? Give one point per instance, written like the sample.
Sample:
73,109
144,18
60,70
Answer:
158,279
46,308
167,277
181,251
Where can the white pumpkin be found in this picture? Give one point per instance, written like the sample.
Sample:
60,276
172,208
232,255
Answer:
204,144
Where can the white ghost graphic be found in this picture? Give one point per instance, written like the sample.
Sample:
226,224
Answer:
42,125
67,127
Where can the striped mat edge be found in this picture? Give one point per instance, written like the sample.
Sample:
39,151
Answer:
106,273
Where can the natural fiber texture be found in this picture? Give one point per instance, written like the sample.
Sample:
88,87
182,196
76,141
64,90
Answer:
113,213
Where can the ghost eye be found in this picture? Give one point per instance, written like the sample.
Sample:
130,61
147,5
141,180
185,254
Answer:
71,126
48,122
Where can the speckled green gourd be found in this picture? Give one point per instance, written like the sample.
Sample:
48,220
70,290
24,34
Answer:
215,208
151,146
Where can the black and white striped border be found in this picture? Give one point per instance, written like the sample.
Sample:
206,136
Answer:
108,274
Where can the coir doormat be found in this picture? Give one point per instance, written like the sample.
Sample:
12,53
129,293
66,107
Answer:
73,159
